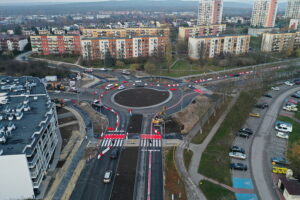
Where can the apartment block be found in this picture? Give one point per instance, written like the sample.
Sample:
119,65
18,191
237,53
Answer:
277,42
28,137
210,12
211,46
12,42
55,44
294,23
204,30
293,9
123,48
125,32
264,13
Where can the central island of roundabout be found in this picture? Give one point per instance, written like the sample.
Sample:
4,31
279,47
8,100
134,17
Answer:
141,98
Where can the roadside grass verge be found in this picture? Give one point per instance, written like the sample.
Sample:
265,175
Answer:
215,160
215,192
200,137
173,183
69,59
297,114
187,157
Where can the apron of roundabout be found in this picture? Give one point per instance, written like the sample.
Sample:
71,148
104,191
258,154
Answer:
141,97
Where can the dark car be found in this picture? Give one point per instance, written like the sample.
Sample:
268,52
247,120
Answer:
246,130
114,154
279,160
238,166
237,149
267,95
297,81
297,96
262,105
243,134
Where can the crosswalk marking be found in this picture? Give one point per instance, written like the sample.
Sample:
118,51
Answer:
153,143
109,142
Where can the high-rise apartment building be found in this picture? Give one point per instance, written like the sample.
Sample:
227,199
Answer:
264,13
210,12
293,9
211,46
204,30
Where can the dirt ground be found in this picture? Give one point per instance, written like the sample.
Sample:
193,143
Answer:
99,121
135,124
66,120
61,110
141,97
172,126
66,133
190,115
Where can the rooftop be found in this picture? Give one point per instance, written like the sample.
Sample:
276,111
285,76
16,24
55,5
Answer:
221,35
291,185
24,104
119,38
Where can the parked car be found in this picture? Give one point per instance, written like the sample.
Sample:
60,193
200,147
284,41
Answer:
246,130
109,86
289,83
282,135
114,154
267,95
238,166
262,105
237,149
279,160
297,81
281,127
296,95
237,155
293,101
275,88
290,108
107,176
121,87
254,115
243,134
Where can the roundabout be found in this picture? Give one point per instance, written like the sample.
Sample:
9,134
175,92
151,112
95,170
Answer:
141,98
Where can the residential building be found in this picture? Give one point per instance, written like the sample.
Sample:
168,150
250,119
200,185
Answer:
55,44
28,137
293,9
210,12
277,42
43,32
125,32
203,30
123,48
211,46
264,13
12,42
289,187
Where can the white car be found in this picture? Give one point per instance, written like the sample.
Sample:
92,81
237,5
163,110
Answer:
283,128
289,83
282,135
290,108
102,69
121,87
237,155
109,86
275,88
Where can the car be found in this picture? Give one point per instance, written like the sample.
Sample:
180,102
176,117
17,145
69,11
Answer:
296,95
267,95
89,70
289,83
238,166
114,154
237,155
246,130
109,86
102,69
297,81
121,87
283,128
279,160
125,72
243,134
254,114
282,135
275,88
57,91
107,176
290,108
237,149
293,101
138,83
262,105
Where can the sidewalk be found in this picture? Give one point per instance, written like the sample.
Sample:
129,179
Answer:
192,177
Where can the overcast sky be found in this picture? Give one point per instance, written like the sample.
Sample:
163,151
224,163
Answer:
62,1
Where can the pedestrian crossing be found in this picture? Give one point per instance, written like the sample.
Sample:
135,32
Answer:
151,143
112,142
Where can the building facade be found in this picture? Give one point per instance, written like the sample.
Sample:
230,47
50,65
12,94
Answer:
55,44
294,23
264,13
186,32
125,32
210,12
123,48
211,46
278,42
12,42
28,136
293,9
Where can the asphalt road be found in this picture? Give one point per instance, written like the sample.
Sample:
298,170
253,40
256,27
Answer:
261,151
